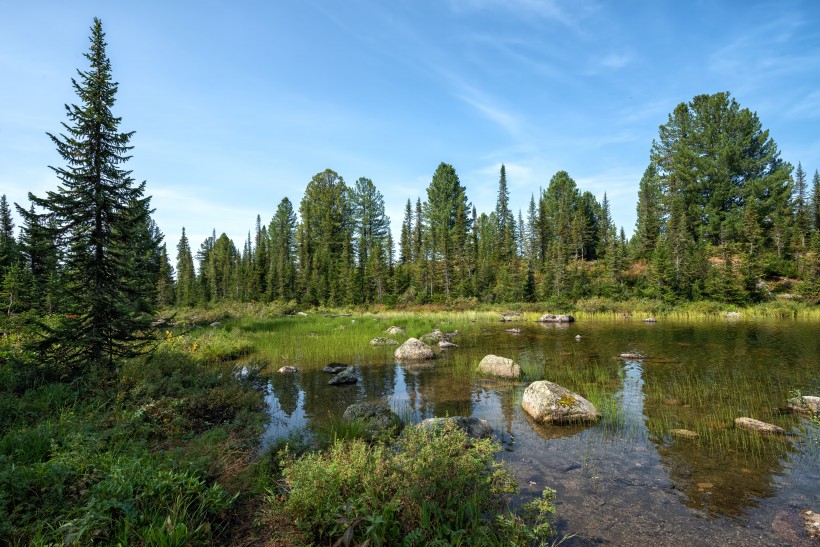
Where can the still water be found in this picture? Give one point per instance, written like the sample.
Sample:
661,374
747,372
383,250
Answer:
627,480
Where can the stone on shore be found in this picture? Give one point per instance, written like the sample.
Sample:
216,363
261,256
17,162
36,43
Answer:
805,404
382,341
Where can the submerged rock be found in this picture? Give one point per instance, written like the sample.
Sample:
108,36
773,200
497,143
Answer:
334,368
377,418
552,318
499,366
633,355
812,522
806,404
475,428
394,330
513,331
548,402
381,341
685,433
756,425
343,378
414,349
287,370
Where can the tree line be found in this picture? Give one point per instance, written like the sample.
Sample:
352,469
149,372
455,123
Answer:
720,216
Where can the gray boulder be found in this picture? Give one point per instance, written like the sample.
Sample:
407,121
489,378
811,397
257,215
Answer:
552,318
394,330
475,428
377,418
446,344
343,378
751,424
381,341
287,370
806,404
334,368
414,349
547,402
499,366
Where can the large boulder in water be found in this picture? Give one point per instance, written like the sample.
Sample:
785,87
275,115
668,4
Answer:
552,318
414,350
548,402
499,366
376,417
475,428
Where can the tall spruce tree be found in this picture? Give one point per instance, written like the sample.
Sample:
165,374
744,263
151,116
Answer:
186,289
505,230
100,215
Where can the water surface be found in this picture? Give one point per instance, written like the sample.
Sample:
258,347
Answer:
627,480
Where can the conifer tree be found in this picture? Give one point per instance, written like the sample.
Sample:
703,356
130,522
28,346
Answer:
282,270
100,214
8,243
802,213
815,202
186,289
506,223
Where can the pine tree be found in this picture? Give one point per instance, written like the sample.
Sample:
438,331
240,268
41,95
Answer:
506,223
648,226
282,270
100,214
8,243
186,290
165,282
802,213
815,202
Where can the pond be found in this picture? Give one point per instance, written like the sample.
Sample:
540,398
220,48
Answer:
627,480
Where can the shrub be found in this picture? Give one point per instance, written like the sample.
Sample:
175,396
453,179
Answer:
431,487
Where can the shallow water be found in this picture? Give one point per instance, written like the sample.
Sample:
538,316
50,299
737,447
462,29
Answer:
626,480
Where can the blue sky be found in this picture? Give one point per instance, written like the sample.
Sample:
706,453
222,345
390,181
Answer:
238,104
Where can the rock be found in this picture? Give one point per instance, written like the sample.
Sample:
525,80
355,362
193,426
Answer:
381,341
287,370
215,324
547,402
733,315
578,337
812,521
684,433
334,368
394,330
510,316
551,318
377,418
301,314
343,378
756,425
805,404
513,331
475,428
650,320
632,355
499,366
446,344
414,349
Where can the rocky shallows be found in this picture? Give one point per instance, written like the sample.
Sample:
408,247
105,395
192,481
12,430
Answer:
751,424
547,402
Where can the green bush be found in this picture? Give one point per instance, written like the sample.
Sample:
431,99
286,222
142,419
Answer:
432,487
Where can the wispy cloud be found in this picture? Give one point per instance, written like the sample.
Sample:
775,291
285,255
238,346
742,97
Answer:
615,61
